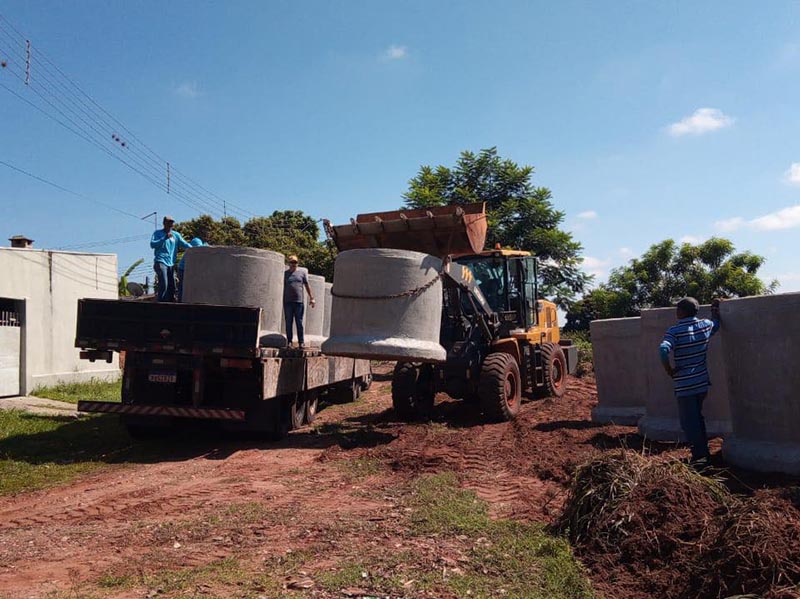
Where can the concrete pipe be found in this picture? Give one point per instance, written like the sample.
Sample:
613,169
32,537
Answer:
315,316
661,422
236,276
326,323
761,343
387,305
617,369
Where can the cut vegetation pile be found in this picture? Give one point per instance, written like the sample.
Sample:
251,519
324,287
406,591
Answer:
659,529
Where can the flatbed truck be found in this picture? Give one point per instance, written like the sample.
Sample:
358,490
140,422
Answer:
205,362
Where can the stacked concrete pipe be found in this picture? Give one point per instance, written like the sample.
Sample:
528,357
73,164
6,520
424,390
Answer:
238,276
617,367
761,344
315,315
660,421
326,323
387,305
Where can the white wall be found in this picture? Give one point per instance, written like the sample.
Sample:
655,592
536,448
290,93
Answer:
49,283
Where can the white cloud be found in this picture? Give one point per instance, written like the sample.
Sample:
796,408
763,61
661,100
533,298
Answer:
188,89
394,52
792,176
587,214
785,218
703,120
626,253
694,239
596,266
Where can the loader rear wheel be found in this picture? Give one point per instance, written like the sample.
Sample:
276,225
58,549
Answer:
412,391
555,370
500,387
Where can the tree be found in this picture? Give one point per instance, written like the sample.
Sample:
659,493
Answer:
668,271
123,280
520,215
285,231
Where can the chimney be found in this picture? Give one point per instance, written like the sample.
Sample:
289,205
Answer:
20,241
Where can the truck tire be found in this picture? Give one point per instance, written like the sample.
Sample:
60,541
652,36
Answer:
412,391
500,387
555,370
297,411
366,381
312,403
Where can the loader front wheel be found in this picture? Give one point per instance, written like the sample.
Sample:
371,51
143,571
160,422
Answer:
555,370
500,387
412,391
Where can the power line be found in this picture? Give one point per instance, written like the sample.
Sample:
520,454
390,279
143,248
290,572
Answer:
93,244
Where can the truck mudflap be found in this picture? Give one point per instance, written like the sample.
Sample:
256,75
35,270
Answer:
110,407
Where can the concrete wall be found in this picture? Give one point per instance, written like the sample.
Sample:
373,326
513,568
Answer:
660,421
761,344
617,367
49,284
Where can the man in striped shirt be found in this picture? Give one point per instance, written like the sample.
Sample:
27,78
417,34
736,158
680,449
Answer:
688,342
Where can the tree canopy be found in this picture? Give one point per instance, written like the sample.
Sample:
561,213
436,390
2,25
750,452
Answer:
668,271
285,231
520,215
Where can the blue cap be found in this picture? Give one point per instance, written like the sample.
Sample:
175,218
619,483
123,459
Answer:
196,242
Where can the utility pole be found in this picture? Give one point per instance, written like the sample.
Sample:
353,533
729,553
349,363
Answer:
155,218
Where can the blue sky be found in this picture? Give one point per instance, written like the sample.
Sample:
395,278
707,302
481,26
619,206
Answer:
646,120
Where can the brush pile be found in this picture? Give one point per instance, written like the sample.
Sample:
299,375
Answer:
655,528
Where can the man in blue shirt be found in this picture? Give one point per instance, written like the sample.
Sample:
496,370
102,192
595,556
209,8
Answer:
165,243
688,342
195,243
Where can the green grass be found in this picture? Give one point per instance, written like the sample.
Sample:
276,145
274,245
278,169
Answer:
510,559
41,451
94,390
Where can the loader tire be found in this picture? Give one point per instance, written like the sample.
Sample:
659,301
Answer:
500,387
555,370
412,391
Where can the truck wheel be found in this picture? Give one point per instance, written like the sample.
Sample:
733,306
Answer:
366,382
500,387
312,403
297,411
555,369
412,391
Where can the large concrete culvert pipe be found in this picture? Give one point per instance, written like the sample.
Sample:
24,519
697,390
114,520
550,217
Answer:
761,343
315,317
326,323
238,276
661,422
617,368
387,305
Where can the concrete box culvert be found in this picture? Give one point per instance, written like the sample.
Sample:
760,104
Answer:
375,315
315,316
617,368
661,422
761,343
326,323
237,276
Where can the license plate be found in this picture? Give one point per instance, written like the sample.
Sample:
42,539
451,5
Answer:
163,377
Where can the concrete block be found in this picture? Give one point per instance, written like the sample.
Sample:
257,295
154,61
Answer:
618,372
238,276
326,323
761,344
660,421
315,316
371,317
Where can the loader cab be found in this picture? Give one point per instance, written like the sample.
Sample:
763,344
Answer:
508,281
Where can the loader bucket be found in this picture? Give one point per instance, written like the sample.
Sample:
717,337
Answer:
440,231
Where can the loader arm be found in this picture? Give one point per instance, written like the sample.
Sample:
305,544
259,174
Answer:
462,276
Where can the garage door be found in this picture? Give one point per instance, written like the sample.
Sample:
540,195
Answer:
9,352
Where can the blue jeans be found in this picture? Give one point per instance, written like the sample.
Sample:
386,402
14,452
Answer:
166,282
294,314
690,412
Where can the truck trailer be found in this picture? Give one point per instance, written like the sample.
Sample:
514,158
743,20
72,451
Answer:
205,363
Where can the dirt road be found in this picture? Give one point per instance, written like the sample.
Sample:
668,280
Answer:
298,513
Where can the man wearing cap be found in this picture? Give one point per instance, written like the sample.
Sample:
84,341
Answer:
195,243
295,283
688,342
166,243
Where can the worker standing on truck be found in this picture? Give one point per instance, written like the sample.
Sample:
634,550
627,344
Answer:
688,341
166,243
195,243
295,282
